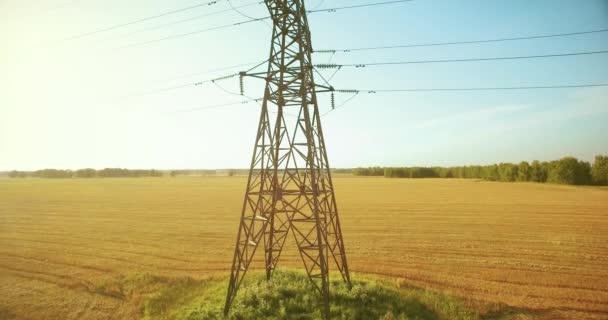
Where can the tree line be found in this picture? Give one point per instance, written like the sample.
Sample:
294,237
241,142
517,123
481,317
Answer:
567,170
86,173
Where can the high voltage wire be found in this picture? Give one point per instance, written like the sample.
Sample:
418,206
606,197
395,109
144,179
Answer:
320,3
256,100
181,35
209,3
213,70
198,83
195,18
372,91
357,6
215,106
355,94
249,100
225,26
346,50
337,66
236,9
181,86
362,65
86,34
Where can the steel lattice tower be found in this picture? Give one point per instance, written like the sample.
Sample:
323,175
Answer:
290,187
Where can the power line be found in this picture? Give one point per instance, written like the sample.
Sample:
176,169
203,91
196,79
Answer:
236,9
181,35
225,26
255,100
342,104
318,4
194,84
234,93
181,86
215,106
334,9
362,65
194,18
355,93
86,34
372,91
212,70
249,99
346,50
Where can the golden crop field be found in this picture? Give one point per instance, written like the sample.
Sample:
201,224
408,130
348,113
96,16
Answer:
498,246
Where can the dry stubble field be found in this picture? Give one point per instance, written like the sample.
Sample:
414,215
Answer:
508,246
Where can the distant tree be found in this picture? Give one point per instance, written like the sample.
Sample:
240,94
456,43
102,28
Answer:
156,173
370,171
388,172
476,172
54,174
546,166
420,172
17,174
536,172
467,172
583,173
570,170
123,173
563,171
346,171
523,171
599,171
396,173
85,173
458,172
443,172
491,173
507,172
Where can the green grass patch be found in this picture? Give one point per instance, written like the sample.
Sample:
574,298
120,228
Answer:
289,295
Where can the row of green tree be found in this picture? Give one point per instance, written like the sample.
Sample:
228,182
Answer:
568,170
86,173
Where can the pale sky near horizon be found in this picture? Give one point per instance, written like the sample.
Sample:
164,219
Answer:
82,102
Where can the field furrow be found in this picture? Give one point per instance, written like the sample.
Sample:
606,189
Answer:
64,244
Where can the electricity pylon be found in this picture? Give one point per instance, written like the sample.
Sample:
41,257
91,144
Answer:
290,189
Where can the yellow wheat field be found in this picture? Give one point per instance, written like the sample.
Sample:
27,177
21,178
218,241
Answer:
541,248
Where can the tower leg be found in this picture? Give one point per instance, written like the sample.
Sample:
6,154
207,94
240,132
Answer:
327,203
257,208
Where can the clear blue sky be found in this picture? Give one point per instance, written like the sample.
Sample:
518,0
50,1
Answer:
79,103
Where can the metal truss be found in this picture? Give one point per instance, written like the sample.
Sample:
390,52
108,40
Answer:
289,189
